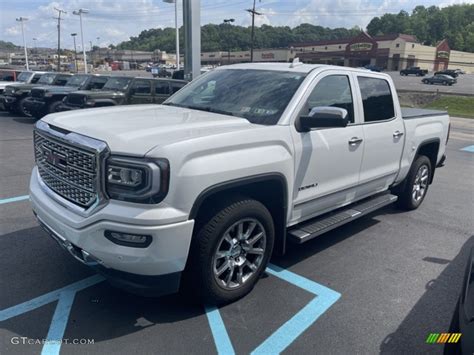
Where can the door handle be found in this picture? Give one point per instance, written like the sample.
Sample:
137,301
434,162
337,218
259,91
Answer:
355,141
397,134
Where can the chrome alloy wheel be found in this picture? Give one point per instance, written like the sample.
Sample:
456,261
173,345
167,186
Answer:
420,184
239,253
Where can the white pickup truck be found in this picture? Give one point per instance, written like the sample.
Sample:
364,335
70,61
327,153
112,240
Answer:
245,158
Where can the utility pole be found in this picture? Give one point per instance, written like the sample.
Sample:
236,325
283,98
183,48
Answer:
75,51
253,12
21,20
177,28
228,21
59,35
79,13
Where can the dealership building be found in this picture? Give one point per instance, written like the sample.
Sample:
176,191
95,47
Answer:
391,52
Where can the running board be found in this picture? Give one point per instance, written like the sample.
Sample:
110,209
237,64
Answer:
322,224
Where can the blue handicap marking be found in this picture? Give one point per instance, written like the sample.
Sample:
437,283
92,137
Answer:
65,297
288,332
469,148
14,199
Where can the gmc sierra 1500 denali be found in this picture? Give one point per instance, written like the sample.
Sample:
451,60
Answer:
245,158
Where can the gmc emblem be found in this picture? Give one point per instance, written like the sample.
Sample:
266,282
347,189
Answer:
54,158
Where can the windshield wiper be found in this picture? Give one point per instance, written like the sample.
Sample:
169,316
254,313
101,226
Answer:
201,108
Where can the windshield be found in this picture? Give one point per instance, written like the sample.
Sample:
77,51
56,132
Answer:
259,96
76,80
24,76
120,84
47,79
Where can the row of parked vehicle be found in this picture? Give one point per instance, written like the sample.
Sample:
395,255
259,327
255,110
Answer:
40,93
443,77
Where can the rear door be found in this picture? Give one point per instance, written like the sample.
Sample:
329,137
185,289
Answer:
383,134
162,91
140,92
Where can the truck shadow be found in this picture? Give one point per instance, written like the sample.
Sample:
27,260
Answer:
434,309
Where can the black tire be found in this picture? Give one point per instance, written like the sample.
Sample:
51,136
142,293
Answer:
406,199
22,109
200,275
54,106
445,83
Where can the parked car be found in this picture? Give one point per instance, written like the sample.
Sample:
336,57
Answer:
15,95
374,68
178,74
20,77
161,73
242,160
48,99
439,79
123,91
452,73
459,71
413,71
9,75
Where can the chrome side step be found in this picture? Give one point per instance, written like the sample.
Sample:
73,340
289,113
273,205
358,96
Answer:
308,230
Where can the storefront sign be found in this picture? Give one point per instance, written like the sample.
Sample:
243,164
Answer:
361,46
443,54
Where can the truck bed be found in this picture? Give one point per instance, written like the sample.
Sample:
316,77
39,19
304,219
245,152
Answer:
412,113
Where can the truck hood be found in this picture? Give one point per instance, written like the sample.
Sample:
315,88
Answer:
136,129
24,86
57,89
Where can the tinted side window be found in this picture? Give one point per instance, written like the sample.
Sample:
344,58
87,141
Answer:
61,80
97,83
142,87
175,87
377,99
334,91
35,78
162,88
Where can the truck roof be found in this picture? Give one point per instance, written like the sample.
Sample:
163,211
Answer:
295,67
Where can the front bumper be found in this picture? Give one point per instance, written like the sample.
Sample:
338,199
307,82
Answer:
35,106
153,270
8,101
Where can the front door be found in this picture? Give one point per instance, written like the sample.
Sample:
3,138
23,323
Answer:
140,92
328,159
383,134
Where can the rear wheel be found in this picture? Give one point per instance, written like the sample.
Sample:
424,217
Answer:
416,184
22,109
230,251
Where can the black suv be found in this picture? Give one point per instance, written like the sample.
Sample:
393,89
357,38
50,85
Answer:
15,95
47,99
413,71
123,91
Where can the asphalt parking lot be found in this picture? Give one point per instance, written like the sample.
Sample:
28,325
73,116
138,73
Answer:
380,284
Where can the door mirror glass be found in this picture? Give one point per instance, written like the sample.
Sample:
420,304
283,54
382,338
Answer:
324,117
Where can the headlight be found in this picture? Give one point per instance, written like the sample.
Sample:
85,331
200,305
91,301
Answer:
137,180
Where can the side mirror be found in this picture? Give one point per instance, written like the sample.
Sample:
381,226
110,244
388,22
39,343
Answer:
323,117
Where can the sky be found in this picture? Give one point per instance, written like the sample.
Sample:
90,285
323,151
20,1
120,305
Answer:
114,21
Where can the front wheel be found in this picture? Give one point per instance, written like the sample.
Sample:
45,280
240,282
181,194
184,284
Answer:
230,251
416,184
22,110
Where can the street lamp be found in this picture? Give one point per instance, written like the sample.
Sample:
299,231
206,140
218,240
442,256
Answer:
21,20
228,21
177,28
79,13
75,50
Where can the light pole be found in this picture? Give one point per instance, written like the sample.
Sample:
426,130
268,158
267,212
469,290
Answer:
75,51
79,13
21,20
98,51
228,21
177,28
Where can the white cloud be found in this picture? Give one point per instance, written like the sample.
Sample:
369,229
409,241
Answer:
13,31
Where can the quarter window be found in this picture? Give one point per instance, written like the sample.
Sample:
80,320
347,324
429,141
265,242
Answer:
142,87
377,99
334,91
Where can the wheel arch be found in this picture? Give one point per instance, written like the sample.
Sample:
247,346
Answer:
430,149
270,189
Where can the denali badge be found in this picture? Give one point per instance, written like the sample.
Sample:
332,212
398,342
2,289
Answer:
54,158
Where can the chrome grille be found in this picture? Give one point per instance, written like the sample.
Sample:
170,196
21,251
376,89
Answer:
69,171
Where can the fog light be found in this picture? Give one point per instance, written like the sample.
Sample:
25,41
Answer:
129,240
